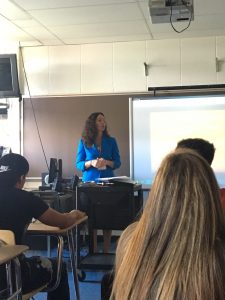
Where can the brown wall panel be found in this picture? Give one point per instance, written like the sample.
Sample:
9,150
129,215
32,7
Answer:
60,122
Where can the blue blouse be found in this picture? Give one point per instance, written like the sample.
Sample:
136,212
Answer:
109,151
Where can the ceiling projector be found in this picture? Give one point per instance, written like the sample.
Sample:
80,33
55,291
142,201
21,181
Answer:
167,11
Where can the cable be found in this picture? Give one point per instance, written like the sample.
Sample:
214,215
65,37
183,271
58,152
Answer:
35,119
171,14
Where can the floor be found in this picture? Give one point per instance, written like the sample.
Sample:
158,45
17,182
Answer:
88,290
90,287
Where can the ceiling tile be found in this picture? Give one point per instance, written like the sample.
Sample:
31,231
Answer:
106,39
11,30
45,4
85,15
40,33
12,12
54,22
26,23
98,30
208,7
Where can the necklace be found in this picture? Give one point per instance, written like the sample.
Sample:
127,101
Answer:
98,143
99,147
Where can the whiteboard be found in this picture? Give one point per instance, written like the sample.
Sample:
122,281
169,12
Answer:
157,124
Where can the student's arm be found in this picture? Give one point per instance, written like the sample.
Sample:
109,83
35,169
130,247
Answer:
54,218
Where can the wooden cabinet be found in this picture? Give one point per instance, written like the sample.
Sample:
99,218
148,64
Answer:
64,70
119,67
163,58
36,62
128,66
198,61
220,56
96,68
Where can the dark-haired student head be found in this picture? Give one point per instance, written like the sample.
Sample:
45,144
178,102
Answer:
17,208
203,147
13,170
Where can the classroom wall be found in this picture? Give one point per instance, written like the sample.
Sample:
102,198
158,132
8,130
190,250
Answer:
108,68
60,122
101,72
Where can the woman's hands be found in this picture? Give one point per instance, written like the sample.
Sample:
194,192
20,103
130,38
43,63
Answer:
99,163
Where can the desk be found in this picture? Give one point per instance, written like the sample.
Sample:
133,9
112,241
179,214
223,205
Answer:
9,252
60,202
38,228
108,207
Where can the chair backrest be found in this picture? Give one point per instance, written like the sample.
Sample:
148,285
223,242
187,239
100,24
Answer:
11,268
7,236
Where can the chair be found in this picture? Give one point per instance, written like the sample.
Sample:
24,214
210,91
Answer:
9,253
13,273
38,228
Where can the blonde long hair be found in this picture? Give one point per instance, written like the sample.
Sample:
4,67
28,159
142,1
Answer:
177,249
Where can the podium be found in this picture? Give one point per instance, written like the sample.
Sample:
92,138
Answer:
108,206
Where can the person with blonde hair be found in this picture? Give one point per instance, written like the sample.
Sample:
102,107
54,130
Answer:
176,251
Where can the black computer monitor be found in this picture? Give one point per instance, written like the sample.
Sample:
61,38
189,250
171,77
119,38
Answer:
55,174
9,83
4,150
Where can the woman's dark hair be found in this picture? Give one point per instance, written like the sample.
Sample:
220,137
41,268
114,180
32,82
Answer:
12,167
90,131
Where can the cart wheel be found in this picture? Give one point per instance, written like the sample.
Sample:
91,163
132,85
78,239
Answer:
81,275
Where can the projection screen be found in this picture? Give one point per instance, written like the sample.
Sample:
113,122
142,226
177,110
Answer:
157,124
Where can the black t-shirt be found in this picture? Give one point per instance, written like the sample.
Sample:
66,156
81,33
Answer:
17,208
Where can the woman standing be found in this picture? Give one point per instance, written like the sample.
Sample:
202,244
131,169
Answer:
97,157
98,153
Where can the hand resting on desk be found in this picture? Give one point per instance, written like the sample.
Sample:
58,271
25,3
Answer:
62,220
76,214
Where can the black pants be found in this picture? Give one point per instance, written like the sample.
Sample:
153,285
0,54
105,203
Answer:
106,285
37,271
62,292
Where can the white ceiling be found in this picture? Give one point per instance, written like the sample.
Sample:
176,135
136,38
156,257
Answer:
64,22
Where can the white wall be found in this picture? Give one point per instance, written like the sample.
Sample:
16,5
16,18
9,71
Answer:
10,124
119,67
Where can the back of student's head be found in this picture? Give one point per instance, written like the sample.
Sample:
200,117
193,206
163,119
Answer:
203,147
12,167
177,249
